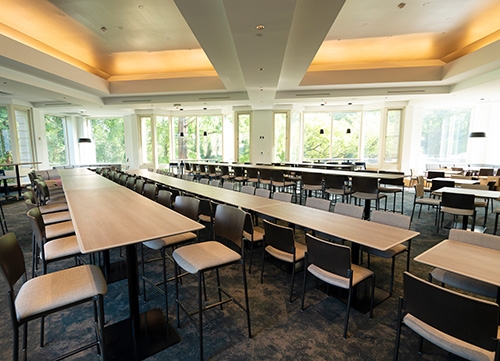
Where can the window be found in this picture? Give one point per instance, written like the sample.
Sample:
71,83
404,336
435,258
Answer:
345,134
55,131
279,137
243,137
371,136
24,138
146,140
5,143
444,135
185,132
108,135
295,139
210,137
228,138
317,131
163,140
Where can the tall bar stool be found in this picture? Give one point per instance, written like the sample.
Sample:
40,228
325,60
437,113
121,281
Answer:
311,182
367,188
199,258
265,178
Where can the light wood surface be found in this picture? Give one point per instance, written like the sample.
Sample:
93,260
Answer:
469,260
456,180
480,193
112,215
352,229
73,172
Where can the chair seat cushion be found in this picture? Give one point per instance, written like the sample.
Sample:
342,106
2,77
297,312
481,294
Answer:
458,211
358,274
312,187
53,207
57,289
364,195
447,342
464,283
389,189
159,243
61,247
428,201
59,230
56,217
258,234
205,255
300,251
391,252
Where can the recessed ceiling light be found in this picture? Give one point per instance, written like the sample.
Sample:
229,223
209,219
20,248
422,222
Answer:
104,29
260,27
401,5
141,7
261,69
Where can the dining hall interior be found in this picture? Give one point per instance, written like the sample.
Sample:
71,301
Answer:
365,129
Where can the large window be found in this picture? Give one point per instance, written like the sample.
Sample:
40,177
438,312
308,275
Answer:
295,137
163,140
24,134
55,132
146,140
279,137
244,137
185,133
317,132
444,135
210,137
371,136
108,135
5,143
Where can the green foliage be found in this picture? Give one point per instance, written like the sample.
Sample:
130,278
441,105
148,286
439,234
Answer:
244,138
109,138
56,140
5,145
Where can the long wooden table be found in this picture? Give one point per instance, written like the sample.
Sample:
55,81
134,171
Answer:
18,174
480,263
105,216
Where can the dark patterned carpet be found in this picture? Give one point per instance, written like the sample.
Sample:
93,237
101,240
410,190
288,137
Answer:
280,330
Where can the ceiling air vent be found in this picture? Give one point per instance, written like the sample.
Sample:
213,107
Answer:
312,94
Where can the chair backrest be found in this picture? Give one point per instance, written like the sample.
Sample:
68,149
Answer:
282,196
261,192
312,178
364,184
11,261
187,206
150,190
204,181
139,185
436,184
228,224
456,200
248,225
483,172
131,182
466,318
210,169
228,185
318,203
224,169
279,237
475,238
419,190
392,181
37,226
164,198
264,174
29,196
123,179
253,173
248,189
238,172
391,219
330,256
277,176
434,174
215,183
348,209
335,181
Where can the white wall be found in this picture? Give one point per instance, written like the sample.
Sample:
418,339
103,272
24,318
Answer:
261,136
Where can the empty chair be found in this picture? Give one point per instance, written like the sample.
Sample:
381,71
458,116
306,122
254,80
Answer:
139,185
225,174
463,282
279,242
279,182
204,180
150,190
206,213
480,202
131,182
421,200
331,263
253,176
431,174
211,171
164,197
51,213
336,185
201,257
228,185
457,205
394,220
123,179
484,172
239,175
47,294
311,182
265,177
187,206
318,203
60,243
438,184
252,234
367,188
393,186
261,192
462,325
215,183
281,196
247,189
348,209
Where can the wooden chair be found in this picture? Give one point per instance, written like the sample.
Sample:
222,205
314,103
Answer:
462,325
457,205
331,263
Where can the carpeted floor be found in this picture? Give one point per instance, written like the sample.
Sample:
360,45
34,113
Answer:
280,331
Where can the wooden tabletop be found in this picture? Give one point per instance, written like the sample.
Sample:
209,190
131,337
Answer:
356,230
480,193
456,180
469,260
110,215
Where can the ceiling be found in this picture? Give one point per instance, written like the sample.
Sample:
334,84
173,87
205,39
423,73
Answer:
97,57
